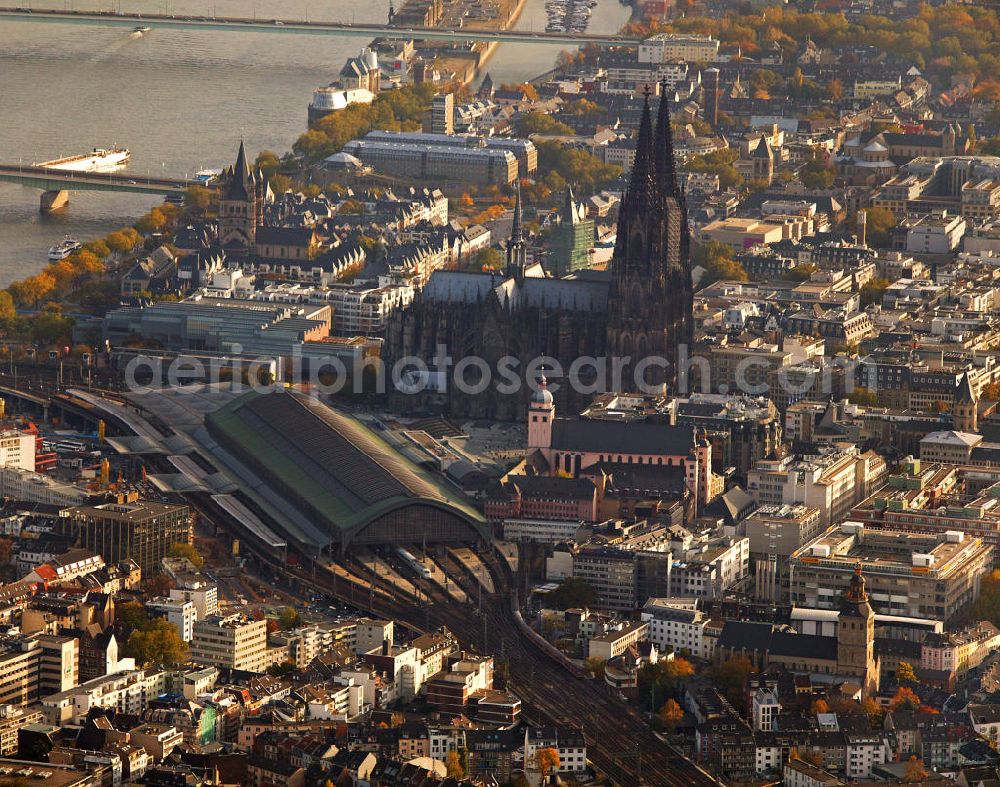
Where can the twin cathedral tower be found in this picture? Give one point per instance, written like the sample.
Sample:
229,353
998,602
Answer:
641,308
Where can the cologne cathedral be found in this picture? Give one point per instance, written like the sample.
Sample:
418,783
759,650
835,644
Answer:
640,307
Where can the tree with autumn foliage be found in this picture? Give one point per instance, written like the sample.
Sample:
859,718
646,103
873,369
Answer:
453,765
819,706
731,676
873,711
670,714
547,760
906,698
915,771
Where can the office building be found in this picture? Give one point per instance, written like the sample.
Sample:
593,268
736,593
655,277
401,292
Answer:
142,531
908,574
775,532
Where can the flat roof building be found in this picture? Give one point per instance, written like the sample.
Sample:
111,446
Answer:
910,574
235,642
142,531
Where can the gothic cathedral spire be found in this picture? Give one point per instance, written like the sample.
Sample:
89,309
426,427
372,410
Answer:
651,299
517,252
666,174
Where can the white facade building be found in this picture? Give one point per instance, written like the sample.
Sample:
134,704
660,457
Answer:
678,628
667,47
181,614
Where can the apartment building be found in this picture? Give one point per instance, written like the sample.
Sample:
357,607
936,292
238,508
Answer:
831,482
691,47
125,692
199,591
233,642
614,643
959,651
678,628
182,615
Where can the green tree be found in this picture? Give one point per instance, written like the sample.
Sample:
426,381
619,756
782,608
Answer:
873,290
573,593
268,162
905,673
289,618
180,549
717,260
801,272
529,123
596,667
198,199
720,163
863,396
987,605
159,643
488,259
281,183
123,241
878,226
559,164
99,248
8,312
50,327
730,677
817,175
282,670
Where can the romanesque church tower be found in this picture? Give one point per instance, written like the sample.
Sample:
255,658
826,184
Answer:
965,411
245,194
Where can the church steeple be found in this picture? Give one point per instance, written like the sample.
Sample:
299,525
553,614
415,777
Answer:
516,249
242,167
569,213
965,411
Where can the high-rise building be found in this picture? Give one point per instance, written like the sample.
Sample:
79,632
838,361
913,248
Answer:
141,531
443,114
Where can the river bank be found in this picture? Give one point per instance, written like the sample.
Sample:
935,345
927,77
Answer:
218,88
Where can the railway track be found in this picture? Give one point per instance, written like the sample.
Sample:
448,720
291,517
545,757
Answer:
619,742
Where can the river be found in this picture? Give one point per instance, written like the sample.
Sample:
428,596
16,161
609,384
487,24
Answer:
179,100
